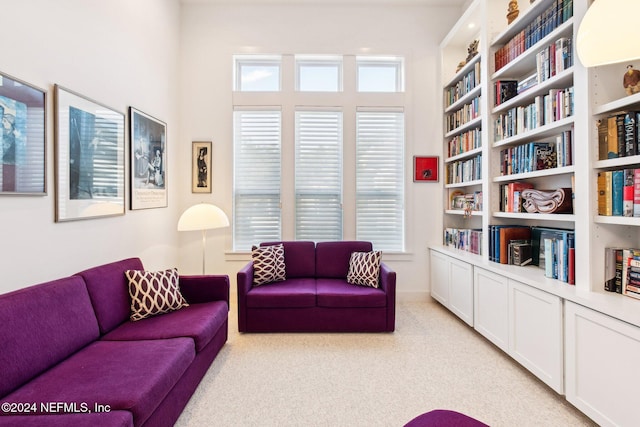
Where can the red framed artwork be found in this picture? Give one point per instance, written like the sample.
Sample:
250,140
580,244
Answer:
425,168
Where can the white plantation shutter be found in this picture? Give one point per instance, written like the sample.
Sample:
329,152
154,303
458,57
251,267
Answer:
380,178
318,175
257,164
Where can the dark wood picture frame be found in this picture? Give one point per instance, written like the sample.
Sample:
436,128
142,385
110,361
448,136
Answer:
201,156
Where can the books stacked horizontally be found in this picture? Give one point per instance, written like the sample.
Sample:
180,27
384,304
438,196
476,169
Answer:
622,271
619,193
552,249
465,239
619,135
535,156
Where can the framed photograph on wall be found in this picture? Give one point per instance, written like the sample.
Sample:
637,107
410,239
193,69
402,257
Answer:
23,138
425,168
201,166
90,158
148,175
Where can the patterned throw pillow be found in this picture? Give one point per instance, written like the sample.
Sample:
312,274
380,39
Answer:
364,268
154,292
268,264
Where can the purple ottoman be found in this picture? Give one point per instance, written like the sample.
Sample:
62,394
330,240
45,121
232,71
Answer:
444,418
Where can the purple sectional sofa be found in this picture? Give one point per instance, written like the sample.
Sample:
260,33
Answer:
315,297
71,357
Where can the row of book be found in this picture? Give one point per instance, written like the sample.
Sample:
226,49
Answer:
619,135
465,239
554,59
619,193
464,170
535,156
510,196
464,142
622,271
556,105
552,249
464,115
468,82
555,15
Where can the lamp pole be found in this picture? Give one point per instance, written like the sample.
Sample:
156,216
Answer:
204,248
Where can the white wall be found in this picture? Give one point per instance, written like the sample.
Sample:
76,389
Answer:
211,34
120,53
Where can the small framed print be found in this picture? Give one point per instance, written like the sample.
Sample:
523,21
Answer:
148,143
425,168
90,158
201,166
23,138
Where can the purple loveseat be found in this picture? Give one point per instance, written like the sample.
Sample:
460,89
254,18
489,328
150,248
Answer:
315,297
70,356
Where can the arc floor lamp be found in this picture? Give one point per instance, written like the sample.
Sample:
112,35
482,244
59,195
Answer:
203,217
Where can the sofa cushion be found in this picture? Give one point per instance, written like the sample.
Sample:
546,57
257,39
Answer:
126,375
198,321
297,293
299,258
339,293
268,264
109,291
42,325
332,258
154,292
364,268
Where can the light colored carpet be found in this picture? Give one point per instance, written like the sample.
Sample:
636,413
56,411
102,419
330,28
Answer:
432,361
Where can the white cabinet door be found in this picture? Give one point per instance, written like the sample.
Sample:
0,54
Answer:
440,277
461,290
535,333
602,375
490,311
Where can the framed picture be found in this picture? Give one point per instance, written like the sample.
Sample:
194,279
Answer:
148,175
201,166
23,147
425,168
90,158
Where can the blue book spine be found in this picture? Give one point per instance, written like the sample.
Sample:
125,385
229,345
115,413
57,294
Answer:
617,185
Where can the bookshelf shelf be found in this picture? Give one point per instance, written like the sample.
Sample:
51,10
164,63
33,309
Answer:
617,220
463,71
467,126
464,184
461,212
464,99
566,170
544,131
617,105
527,60
536,216
617,163
563,79
465,155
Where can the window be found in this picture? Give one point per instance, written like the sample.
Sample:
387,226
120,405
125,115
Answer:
257,73
319,73
318,176
380,74
314,160
257,166
380,178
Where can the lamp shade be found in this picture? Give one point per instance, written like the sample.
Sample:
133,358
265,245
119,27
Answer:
203,216
607,33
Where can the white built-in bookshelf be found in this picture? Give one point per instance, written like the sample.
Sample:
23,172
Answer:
533,318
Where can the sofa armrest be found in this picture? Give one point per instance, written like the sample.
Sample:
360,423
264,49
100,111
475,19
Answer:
245,279
199,289
388,285
244,283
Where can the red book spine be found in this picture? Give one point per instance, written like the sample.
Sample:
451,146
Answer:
571,266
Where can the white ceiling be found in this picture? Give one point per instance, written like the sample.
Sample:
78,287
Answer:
345,2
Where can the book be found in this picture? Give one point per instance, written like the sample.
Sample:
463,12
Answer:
617,184
520,252
612,138
636,192
544,156
610,255
605,205
603,139
627,192
512,188
630,138
505,90
507,234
